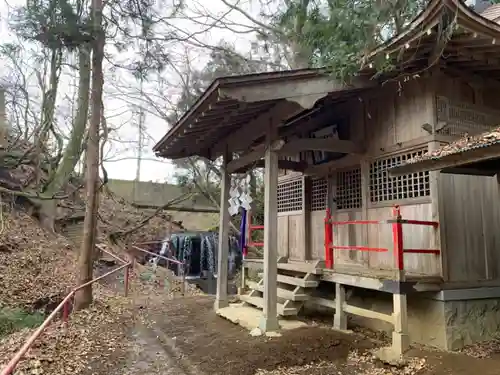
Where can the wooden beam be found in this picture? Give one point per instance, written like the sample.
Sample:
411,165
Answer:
245,160
244,136
296,166
320,144
221,299
324,169
474,78
251,157
306,91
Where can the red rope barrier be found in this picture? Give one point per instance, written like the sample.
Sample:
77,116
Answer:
64,305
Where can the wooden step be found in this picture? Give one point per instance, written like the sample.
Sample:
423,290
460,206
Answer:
259,302
300,267
303,267
282,293
297,281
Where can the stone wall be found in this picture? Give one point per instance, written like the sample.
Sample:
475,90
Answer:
471,321
448,325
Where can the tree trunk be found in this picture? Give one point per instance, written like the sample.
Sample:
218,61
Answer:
48,110
301,52
83,297
73,150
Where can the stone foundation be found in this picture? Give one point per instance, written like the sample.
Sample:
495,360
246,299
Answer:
471,321
448,325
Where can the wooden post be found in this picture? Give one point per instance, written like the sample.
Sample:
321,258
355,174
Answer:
340,318
269,320
436,203
244,270
328,240
400,338
397,239
306,216
221,299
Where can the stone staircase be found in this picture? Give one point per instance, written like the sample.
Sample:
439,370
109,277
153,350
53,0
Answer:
296,281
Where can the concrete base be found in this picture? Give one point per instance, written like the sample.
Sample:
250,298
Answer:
340,321
220,304
249,318
400,343
448,325
269,324
390,356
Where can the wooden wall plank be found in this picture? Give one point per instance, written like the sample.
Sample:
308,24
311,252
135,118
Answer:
283,236
472,214
317,235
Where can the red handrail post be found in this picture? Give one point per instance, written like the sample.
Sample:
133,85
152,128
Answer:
328,240
397,237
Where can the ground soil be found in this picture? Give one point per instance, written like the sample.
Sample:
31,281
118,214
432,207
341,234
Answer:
203,343
221,347
183,336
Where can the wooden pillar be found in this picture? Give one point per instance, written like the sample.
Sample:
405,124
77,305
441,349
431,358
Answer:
437,241
221,299
306,216
365,199
400,338
269,320
340,318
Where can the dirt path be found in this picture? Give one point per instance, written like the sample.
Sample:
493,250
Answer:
215,346
147,355
183,336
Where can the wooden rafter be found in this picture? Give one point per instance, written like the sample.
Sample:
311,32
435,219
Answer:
320,144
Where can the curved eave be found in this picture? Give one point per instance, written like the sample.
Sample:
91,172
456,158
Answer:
212,102
215,123
425,22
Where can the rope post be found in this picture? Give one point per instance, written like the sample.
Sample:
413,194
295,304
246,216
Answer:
66,312
328,240
127,279
397,238
183,278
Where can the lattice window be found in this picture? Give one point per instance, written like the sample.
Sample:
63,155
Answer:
384,188
459,119
319,190
290,195
348,189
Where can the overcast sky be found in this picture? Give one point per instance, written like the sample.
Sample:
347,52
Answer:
119,112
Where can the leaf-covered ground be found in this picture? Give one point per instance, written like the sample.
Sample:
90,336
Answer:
155,331
35,266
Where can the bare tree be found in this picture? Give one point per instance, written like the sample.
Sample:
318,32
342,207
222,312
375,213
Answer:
83,298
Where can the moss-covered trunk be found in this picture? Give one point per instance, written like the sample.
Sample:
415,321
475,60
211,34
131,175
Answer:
73,149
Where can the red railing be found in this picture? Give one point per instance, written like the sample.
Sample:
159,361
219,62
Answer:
64,306
252,228
397,237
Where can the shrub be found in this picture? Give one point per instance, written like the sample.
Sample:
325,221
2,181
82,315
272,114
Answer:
15,319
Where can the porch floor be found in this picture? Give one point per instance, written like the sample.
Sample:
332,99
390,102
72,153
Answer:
379,279
358,276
